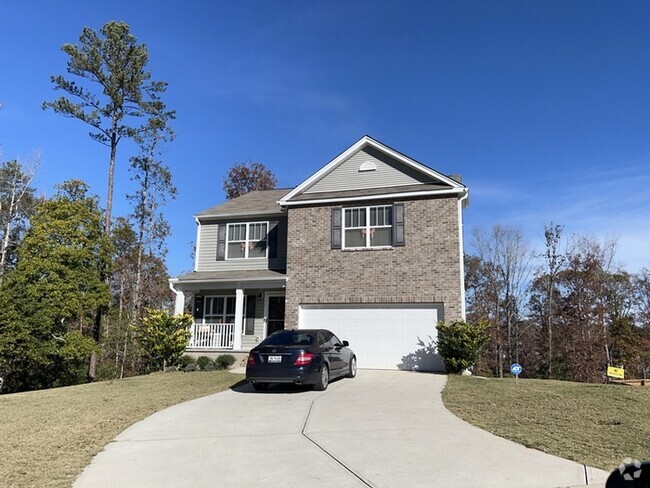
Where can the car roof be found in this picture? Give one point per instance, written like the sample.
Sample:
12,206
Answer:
302,331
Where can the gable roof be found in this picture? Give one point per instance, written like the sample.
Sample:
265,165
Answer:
257,202
401,176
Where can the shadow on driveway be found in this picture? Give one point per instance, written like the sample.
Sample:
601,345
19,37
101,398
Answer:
244,386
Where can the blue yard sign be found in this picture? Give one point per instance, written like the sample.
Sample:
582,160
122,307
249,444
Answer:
516,369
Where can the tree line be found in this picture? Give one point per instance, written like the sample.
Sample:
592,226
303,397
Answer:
564,312
83,293
76,281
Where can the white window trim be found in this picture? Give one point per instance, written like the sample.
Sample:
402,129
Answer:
222,315
247,224
367,227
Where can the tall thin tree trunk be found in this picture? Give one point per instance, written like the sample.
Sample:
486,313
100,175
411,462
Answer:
111,175
124,349
142,223
550,329
107,231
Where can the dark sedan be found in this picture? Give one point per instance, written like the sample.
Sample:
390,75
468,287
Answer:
303,357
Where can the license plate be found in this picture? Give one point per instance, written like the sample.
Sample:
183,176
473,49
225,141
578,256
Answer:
275,359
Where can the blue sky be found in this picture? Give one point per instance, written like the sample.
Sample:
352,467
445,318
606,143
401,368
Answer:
543,107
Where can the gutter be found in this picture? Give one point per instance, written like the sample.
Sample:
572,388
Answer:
454,191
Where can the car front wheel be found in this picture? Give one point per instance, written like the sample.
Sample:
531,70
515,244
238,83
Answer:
323,379
353,367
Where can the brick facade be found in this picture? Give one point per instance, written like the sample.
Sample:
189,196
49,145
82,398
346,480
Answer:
426,269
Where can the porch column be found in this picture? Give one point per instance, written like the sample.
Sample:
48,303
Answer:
239,318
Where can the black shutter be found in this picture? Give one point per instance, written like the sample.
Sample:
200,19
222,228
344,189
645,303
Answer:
249,326
198,307
399,238
273,240
221,242
336,228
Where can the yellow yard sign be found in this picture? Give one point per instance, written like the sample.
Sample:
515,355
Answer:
616,372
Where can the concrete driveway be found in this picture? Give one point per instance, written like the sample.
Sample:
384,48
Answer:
381,429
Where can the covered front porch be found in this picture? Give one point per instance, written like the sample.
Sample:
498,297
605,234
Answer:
233,310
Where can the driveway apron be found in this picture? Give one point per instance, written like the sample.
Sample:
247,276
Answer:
381,429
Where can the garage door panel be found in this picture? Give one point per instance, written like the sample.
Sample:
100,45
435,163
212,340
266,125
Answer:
382,336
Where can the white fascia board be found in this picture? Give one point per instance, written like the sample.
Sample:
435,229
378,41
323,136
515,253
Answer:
454,191
242,280
366,140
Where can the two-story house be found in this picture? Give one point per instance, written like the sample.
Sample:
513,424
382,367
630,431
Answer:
370,247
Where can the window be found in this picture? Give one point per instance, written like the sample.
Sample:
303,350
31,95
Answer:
246,241
220,310
368,227
289,338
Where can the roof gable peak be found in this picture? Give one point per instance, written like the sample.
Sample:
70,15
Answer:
358,165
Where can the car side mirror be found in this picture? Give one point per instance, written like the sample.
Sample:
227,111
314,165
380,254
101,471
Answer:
346,343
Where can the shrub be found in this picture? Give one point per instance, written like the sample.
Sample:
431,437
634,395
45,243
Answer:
190,367
459,343
163,337
184,360
202,362
224,361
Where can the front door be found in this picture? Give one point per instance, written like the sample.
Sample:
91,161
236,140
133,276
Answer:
274,313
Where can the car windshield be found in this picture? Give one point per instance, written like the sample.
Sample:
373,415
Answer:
290,338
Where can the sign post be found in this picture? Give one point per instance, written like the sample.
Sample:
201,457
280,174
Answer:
516,369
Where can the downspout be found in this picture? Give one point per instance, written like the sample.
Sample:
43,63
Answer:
461,251
179,308
179,303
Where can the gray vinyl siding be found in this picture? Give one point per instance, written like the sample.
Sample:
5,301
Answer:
389,173
207,251
248,342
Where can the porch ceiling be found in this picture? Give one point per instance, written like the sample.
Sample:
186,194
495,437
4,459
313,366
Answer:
262,278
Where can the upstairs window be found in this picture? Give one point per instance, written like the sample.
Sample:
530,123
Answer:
367,227
247,241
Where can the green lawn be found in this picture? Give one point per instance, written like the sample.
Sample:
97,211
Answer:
47,437
597,425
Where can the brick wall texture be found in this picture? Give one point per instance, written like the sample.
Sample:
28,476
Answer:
426,269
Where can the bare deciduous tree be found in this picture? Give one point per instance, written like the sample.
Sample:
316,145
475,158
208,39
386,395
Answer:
504,258
16,205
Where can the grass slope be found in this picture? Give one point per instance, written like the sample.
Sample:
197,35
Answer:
47,437
597,425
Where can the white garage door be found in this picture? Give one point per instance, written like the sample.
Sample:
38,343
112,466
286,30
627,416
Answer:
382,336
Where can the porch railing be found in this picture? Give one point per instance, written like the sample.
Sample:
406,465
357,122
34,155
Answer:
212,336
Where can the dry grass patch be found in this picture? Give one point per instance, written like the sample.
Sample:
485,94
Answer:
597,425
47,437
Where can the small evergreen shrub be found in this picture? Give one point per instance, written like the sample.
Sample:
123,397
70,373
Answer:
224,361
202,362
184,360
459,343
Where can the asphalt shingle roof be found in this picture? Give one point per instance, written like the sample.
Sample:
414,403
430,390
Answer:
257,202
227,276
